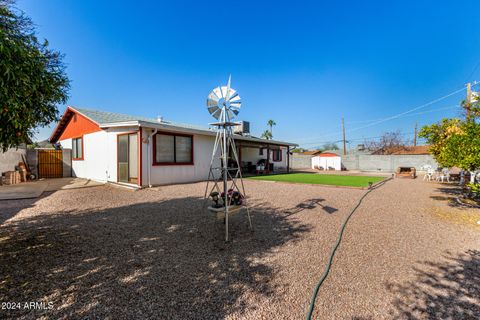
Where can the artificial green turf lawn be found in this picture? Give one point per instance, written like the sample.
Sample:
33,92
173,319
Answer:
313,178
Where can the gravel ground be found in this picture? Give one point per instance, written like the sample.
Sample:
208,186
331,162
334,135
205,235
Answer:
104,252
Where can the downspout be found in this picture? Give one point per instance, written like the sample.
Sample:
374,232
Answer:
149,164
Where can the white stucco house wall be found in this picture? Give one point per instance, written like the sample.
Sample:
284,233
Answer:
136,151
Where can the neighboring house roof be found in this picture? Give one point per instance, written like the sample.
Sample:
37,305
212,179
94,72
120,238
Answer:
406,150
111,119
327,154
44,144
310,153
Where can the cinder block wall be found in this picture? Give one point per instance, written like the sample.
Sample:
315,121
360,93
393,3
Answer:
67,162
11,158
386,163
32,159
300,161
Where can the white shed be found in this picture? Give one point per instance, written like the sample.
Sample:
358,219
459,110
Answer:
327,161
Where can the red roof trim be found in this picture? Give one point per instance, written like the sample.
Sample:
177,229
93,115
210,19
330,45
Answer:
327,154
62,124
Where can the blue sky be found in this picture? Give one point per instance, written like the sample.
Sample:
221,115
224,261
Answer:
303,64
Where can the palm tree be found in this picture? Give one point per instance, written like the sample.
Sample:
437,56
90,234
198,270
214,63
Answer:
271,123
266,135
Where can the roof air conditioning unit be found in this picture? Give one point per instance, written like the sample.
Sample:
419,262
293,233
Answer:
243,128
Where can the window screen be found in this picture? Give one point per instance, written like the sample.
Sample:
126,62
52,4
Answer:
165,148
77,148
183,149
172,149
277,155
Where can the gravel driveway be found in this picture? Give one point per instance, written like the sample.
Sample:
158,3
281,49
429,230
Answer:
104,252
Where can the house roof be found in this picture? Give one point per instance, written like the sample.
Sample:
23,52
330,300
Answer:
327,154
111,119
406,150
310,153
105,117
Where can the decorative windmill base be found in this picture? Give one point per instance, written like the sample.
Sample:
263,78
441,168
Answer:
227,191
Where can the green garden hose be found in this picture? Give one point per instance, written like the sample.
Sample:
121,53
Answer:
337,244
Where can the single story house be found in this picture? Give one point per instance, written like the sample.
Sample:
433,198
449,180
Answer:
326,161
139,151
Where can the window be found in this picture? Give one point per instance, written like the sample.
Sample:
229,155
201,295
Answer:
77,148
172,149
260,152
277,155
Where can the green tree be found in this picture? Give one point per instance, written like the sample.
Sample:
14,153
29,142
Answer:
330,146
266,135
454,143
32,78
271,123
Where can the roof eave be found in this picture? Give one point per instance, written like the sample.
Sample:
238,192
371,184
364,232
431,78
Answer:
206,132
53,138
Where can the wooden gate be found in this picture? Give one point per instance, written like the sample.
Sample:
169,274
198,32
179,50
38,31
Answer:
50,164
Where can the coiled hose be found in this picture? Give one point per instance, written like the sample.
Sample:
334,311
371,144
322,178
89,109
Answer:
335,247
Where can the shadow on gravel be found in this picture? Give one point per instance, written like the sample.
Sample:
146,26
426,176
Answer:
451,194
309,205
10,208
164,260
449,290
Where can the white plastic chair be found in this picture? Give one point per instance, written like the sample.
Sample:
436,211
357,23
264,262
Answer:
444,174
429,174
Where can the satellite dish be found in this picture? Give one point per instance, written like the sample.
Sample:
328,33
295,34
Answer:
224,99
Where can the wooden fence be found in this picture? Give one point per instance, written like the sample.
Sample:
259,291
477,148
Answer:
50,164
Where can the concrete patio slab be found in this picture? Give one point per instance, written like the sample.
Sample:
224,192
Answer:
34,189
70,183
26,190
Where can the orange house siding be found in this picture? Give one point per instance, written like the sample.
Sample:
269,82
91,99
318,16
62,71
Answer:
78,126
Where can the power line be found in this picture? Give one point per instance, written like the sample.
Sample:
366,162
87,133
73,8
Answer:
473,71
397,115
407,115
356,139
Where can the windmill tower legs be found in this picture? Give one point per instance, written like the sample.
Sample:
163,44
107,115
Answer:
223,103
225,178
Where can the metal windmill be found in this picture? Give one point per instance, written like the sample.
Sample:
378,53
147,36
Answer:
228,191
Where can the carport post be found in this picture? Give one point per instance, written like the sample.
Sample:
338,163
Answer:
268,158
288,159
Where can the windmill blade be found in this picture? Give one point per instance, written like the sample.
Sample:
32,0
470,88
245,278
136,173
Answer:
212,102
218,92
213,96
213,109
217,113
230,114
236,103
215,93
234,95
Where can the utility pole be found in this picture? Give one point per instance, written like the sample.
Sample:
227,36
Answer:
469,101
415,137
344,141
